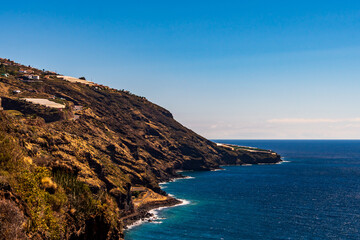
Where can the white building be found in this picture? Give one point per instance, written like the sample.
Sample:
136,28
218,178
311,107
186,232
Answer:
33,77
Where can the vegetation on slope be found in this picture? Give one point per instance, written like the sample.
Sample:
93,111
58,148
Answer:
44,202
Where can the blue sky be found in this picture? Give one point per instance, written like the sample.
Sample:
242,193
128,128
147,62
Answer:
226,69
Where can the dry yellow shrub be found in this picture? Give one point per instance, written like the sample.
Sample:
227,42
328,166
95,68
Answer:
48,184
28,160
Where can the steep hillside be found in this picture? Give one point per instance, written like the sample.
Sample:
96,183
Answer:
86,159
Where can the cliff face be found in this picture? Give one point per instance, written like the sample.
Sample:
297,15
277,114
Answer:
104,142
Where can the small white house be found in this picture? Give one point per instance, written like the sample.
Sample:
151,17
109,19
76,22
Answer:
33,77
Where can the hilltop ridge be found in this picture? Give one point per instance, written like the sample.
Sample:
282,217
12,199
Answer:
95,161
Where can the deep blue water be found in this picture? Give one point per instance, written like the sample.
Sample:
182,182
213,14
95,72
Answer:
316,195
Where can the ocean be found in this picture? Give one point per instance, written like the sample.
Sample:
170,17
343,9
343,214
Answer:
314,194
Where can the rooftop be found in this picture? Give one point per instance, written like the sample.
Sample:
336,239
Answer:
45,102
74,80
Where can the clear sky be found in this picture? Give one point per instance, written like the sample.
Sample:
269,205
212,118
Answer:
226,69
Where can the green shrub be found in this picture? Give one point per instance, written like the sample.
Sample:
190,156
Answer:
79,194
40,202
26,182
10,154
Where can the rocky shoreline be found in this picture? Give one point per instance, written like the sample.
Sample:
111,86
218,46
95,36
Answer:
143,212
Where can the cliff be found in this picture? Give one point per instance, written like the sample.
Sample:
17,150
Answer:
84,161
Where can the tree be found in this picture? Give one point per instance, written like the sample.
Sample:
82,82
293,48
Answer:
83,78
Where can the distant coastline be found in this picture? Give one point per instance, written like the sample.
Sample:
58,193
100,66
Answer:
146,213
311,196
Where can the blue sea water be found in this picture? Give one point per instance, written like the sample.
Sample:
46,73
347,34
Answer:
315,195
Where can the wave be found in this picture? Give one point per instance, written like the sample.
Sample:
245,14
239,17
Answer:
152,219
183,202
155,211
154,214
218,169
182,178
283,161
159,222
188,177
137,223
175,179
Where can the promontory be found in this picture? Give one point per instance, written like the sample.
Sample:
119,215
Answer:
79,160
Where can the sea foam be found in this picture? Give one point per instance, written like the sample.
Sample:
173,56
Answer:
283,161
182,178
218,169
154,218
